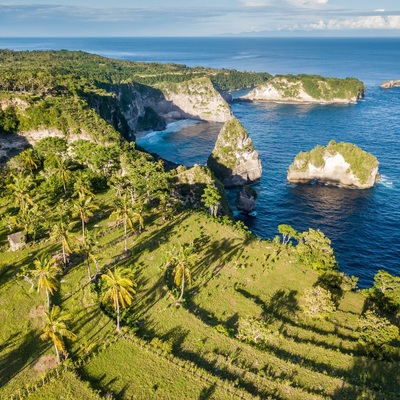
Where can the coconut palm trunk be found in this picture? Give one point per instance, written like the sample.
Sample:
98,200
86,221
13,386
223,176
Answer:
182,289
48,298
83,227
64,252
57,351
125,236
88,268
118,316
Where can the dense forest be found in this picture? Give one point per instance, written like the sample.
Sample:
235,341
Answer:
120,278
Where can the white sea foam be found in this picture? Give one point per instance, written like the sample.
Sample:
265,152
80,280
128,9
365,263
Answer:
386,181
153,137
242,56
177,126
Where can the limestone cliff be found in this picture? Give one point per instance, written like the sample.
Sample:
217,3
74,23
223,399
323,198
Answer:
197,99
339,164
308,89
234,161
390,84
132,107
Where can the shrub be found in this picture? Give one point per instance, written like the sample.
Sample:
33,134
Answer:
315,251
252,330
375,332
386,291
317,302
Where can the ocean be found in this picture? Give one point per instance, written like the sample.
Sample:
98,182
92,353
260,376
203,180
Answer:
362,224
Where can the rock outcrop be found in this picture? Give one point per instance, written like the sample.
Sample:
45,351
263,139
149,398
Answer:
338,164
390,84
234,161
190,184
196,99
308,89
246,199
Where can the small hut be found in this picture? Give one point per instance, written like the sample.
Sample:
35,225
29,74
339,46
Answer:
16,240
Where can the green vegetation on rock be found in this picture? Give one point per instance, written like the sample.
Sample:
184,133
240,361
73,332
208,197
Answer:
234,160
225,150
319,87
362,164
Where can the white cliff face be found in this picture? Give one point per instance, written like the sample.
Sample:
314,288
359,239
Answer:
280,89
334,171
234,161
196,99
247,169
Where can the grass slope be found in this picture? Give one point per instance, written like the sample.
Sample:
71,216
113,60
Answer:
192,351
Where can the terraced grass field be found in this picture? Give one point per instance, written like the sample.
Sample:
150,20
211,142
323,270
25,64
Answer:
191,350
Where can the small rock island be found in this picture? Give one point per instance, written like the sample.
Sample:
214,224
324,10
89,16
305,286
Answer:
308,89
337,164
246,199
234,161
390,84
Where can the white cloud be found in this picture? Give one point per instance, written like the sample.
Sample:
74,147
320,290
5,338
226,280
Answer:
379,10
307,3
371,22
283,3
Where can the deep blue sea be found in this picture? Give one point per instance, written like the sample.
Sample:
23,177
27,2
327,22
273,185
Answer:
363,225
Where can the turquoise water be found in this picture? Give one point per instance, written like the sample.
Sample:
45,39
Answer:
363,225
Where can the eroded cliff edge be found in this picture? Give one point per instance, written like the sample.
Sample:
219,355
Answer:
339,164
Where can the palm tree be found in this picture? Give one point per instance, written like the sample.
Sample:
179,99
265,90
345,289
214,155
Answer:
21,188
82,185
30,219
61,168
56,329
122,213
119,289
137,216
60,233
87,247
182,258
29,160
45,272
211,199
119,183
83,207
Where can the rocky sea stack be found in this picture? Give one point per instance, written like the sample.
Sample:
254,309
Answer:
338,164
246,199
308,89
234,161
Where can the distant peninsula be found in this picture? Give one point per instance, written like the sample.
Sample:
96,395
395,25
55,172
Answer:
308,89
338,164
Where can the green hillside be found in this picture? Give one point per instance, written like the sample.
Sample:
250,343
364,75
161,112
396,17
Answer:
125,286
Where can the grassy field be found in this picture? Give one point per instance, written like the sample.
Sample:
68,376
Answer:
193,350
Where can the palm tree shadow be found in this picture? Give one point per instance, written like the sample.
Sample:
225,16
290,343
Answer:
381,380
26,353
207,392
176,336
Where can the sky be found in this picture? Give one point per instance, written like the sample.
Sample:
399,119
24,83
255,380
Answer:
101,18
